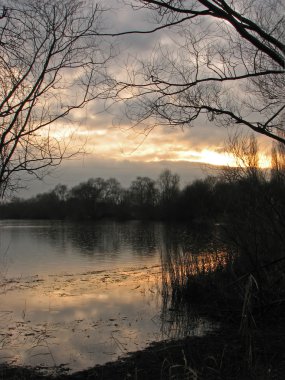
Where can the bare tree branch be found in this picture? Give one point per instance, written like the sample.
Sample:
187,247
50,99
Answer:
226,62
49,66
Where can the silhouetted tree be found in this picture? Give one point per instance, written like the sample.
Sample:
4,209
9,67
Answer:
49,66
225,63
197,201
144,196
168,185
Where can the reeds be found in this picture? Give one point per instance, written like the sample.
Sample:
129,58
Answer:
185,274
225,284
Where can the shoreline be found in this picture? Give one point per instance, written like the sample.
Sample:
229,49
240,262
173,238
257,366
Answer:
218,355
20,328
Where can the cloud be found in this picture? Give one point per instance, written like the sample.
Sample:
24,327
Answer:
109,134
113,147
72,172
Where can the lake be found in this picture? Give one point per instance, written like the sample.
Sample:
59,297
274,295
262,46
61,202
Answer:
79,294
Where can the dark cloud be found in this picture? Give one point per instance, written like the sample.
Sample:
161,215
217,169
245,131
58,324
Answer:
74,172
117,150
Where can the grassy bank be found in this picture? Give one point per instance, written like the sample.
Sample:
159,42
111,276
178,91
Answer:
242,288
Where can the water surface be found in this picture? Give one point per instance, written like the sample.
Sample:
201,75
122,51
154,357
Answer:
45,247
84,294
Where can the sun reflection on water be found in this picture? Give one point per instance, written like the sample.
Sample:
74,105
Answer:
78,321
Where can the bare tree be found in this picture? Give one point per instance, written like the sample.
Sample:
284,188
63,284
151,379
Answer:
49,66
278,160
223,61
168,185
245,152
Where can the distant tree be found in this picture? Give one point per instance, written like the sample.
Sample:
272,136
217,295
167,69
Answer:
113,191
84,197
109,197
95,198
143,196
61,192
197,201
168,186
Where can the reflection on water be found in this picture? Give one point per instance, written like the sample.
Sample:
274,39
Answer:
45,247
84,294
79,320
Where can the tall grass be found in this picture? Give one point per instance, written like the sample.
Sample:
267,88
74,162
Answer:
189,273
232,284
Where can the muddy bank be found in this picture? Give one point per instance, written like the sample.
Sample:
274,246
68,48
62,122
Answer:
218,355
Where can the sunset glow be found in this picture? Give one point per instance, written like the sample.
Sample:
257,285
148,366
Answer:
208,157
104,141
119,145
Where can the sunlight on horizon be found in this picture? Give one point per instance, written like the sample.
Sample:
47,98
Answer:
112,144
212,157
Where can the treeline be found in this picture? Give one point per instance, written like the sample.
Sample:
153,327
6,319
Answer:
233,191
99,198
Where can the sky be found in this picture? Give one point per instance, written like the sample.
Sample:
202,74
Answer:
112,147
